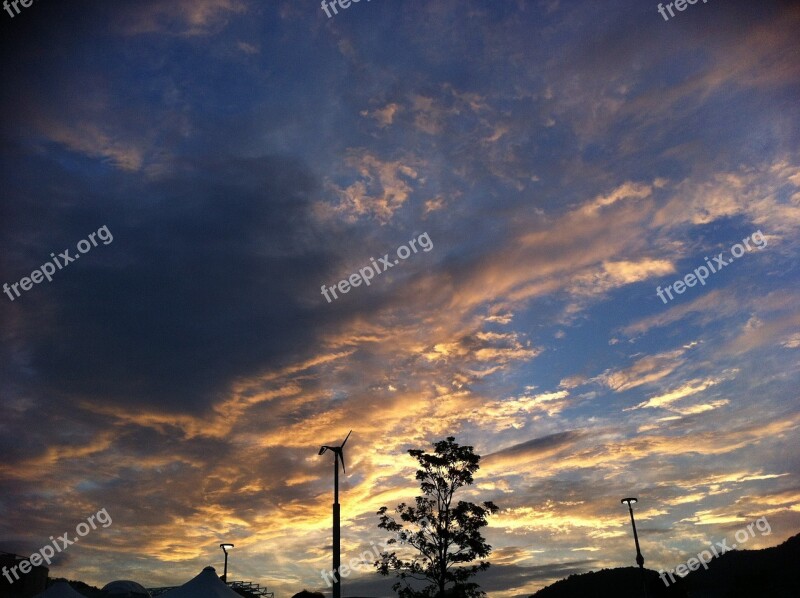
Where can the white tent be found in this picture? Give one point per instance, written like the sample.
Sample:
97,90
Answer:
205,585
125,588
60,589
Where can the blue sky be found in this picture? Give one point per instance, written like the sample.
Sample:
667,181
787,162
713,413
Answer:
565,159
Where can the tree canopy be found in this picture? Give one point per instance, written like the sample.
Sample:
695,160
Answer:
440,536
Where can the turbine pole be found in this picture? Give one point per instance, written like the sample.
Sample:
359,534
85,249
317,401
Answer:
338,453
337,582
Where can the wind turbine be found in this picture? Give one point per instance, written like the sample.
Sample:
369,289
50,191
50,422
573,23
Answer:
338,455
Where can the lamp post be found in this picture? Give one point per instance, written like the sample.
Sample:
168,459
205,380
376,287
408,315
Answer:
338,455
225,546
639,557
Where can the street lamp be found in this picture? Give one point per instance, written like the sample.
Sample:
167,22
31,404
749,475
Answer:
639,557
225,546
338,455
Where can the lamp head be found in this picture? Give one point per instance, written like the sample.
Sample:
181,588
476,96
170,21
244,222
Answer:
629,501
225,546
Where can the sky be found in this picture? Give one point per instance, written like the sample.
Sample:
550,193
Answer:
521,182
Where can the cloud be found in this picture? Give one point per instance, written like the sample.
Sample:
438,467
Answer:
665,400
517,412
711,306
612,275
645,370
88,139
757,333
181,17
248,235
533,449
628,190
757,192
384,116
247,48
382,189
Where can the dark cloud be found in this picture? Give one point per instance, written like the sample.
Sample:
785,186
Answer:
204,284
538,445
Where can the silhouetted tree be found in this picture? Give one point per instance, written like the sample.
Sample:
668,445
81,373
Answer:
447,541
307,594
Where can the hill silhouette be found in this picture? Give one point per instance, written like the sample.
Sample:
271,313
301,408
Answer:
770,572
623,582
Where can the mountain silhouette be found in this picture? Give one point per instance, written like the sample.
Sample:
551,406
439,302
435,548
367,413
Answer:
623,582
770,572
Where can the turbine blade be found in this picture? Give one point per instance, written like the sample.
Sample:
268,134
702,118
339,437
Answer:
345,440
341,456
